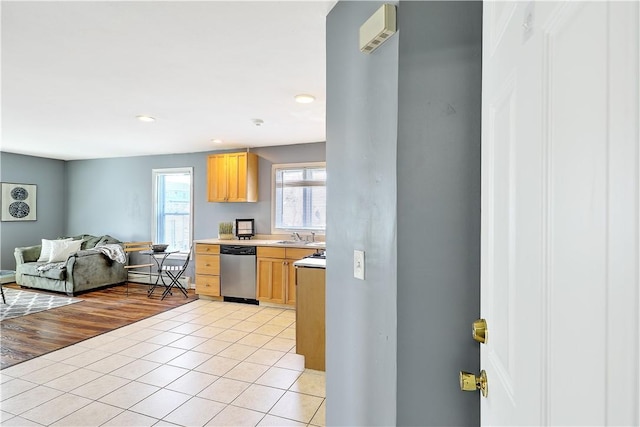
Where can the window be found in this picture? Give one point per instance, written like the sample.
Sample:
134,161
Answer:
173,207
299,197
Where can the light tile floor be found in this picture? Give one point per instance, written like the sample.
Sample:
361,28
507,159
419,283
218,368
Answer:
206,363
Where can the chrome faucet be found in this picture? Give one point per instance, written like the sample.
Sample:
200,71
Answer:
313,236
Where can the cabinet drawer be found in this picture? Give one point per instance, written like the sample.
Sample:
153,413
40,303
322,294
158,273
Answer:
267,252
204,248
298,253
208,264
208,285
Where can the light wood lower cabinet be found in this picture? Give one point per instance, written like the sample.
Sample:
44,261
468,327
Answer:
276,275
208,269
271,276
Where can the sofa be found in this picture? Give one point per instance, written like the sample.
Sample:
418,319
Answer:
85,269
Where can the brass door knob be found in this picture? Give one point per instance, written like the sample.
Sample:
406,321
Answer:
479,331
469,382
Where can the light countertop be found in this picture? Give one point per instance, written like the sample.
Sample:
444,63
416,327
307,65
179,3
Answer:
264,242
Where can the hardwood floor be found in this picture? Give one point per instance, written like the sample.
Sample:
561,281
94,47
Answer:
102,310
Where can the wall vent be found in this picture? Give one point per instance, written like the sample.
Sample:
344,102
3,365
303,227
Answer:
378,28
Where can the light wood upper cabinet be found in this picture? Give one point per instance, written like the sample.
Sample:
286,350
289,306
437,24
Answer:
232,177
217,178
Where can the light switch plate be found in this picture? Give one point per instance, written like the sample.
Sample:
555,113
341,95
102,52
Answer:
358,264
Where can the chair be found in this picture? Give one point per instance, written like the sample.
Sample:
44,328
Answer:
175,273
130,247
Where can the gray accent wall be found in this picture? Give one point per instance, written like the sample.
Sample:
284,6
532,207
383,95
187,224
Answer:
113,196
49,175
403,159
438,210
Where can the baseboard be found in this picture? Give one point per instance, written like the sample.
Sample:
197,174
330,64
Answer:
148,279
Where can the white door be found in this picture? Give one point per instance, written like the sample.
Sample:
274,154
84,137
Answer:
560,213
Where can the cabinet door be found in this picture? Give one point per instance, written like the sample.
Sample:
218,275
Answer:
293,255
217,178
272,274
207,249
237,177
291,282
208,264
208,285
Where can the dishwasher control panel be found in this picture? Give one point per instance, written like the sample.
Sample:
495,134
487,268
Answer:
237,250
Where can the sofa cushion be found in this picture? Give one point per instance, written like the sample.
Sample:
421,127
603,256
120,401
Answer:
31,269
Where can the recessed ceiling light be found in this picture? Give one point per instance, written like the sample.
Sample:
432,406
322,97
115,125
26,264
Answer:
216,141
304,98
143,118
257,122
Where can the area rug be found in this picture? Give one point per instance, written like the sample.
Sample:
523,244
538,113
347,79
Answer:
20,303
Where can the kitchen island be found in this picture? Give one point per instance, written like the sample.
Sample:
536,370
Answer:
310,312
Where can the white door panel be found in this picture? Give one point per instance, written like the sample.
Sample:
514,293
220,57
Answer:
560,222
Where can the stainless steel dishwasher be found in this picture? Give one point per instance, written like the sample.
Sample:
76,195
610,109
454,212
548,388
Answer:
238,273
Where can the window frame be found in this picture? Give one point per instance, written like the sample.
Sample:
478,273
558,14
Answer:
154,202
274,168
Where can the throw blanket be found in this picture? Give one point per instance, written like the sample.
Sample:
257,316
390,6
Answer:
49,266
113,251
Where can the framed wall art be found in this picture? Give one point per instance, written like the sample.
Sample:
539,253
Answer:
18,202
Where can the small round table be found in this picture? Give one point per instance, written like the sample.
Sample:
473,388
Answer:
159,258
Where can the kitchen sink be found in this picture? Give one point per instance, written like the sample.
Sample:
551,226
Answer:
301,243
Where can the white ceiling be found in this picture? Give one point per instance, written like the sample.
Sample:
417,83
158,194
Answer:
76,74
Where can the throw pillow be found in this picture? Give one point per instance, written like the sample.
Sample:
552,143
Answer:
46,248
60,250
